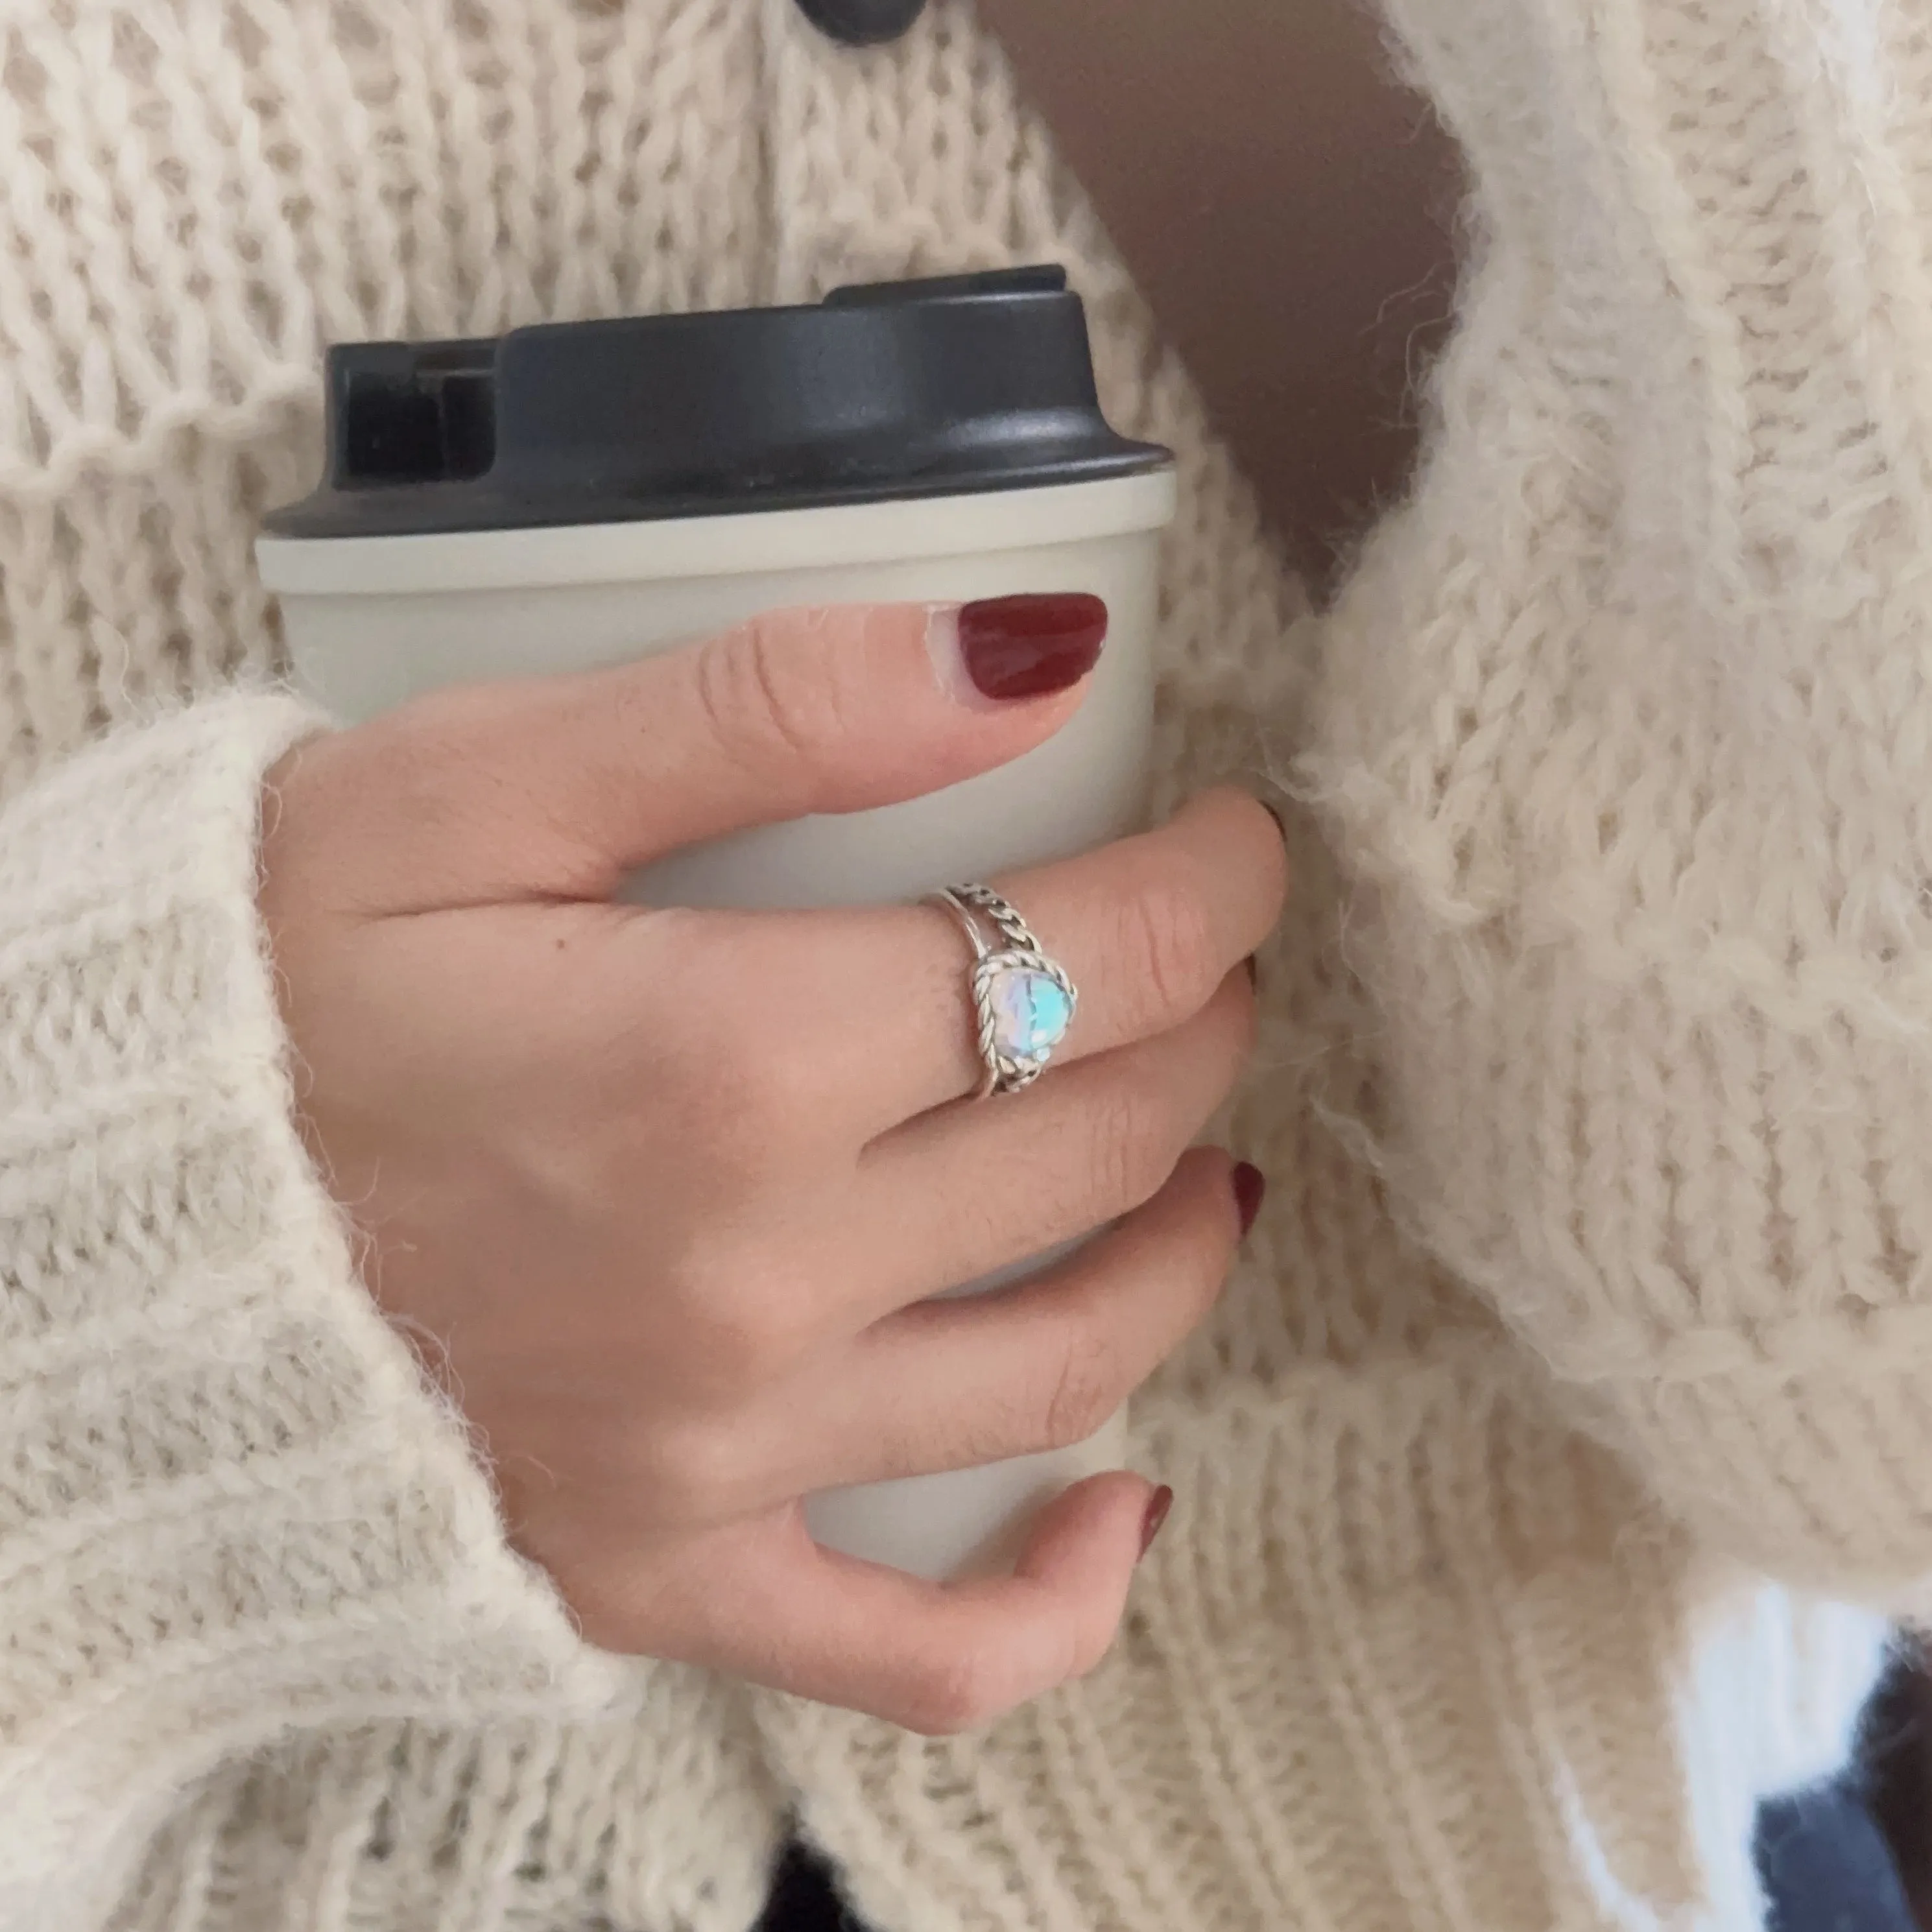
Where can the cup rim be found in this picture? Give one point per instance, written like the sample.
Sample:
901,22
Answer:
835,536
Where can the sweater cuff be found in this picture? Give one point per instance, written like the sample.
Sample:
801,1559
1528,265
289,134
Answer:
230,1505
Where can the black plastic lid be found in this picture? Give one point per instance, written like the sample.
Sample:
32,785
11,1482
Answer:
863,23
898,389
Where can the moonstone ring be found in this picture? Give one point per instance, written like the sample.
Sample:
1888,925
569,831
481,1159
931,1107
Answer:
1023,1002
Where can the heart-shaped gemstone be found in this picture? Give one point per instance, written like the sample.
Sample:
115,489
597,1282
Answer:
1031,1012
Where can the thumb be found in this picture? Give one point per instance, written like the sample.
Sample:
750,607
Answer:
792,713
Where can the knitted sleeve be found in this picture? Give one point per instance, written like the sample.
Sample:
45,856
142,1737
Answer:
1627,740
229,1510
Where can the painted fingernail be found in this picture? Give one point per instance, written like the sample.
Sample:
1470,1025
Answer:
1030,647
1159,1503
1250,1184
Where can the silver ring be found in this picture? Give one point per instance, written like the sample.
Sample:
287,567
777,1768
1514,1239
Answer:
1023,1002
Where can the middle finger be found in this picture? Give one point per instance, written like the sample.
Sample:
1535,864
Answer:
960,1194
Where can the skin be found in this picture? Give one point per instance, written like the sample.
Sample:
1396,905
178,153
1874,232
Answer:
660,1207
630,1180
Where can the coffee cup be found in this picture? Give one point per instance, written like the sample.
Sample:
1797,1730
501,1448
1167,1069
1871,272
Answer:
571,496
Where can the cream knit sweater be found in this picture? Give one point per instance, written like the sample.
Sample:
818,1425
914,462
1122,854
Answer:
1596,1086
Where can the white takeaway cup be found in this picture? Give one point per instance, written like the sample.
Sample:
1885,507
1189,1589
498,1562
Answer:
575,496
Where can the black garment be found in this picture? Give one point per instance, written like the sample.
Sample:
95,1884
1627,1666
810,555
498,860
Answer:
1826,1866
803,1898
1824,1863
863,23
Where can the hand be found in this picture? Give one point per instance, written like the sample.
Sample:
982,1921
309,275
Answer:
662,1196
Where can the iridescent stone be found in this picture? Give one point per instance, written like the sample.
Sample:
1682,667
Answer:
1031,1012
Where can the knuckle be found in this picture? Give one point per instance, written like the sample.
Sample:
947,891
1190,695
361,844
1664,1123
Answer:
1221,1042
1085,1391
1201,1285
699,1468
1197,1285
779,1091
754,1107
1131,1148
1168,942
742,1327
764,703
750,1111
755,1343
957,1693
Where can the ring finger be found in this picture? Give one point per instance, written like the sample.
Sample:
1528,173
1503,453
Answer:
1146,928
954,1384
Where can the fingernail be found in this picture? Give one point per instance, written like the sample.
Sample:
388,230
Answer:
1159,1503
1250,1184
1031,646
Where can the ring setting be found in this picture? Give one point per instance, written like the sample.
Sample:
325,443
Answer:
1022,999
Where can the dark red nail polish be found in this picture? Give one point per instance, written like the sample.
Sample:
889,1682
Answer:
1030,647
1250,1184
1159,1503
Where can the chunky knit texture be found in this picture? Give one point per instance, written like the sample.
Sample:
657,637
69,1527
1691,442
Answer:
1593,1089
1628,723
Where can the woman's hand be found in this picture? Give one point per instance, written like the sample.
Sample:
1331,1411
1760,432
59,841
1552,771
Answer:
664,1192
